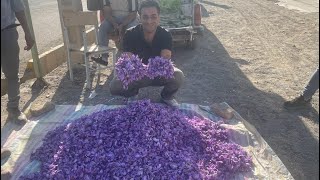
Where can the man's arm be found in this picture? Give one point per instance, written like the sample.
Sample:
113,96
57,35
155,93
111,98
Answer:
18,9
166,46
23,21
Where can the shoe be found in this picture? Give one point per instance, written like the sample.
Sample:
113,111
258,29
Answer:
298,102
101,60
5,175
171,102
16,116
5,153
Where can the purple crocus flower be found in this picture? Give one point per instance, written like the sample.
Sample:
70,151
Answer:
142,140
129,69
160,67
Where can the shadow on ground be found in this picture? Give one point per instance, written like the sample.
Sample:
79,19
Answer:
213,76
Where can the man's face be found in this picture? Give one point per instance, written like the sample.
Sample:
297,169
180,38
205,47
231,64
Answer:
150,19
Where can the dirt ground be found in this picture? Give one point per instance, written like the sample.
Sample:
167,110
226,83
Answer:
254,55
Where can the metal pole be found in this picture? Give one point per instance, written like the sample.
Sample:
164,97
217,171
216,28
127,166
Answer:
34,49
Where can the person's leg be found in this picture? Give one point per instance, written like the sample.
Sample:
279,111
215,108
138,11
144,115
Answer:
305,97
116,87
104,28
171,86
312,86
103,40
10,65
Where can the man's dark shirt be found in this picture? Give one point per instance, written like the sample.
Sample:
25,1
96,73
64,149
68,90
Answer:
134,42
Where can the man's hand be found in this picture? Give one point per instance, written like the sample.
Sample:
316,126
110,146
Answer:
166,53
23,21
121,30
115,25
29,42
130,54
120,27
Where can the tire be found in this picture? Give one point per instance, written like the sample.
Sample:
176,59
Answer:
200,32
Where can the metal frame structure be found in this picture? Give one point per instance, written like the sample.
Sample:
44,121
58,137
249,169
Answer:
185,34
83,19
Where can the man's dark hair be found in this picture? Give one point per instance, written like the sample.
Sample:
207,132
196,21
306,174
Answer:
149,3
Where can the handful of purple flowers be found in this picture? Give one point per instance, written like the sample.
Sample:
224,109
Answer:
130,69
160,67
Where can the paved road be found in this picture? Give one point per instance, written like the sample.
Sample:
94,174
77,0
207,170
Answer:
47,28
301,5
46,25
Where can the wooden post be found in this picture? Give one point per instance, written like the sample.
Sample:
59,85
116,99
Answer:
74,33
34,49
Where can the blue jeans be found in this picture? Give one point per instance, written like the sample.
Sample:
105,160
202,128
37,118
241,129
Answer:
312,86
106,27
171,86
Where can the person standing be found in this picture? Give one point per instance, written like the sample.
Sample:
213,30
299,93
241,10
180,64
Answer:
10,11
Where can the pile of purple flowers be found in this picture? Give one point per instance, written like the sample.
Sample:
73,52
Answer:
140,141
130,69
160,67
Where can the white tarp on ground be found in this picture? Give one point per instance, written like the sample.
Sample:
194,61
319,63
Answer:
22,143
